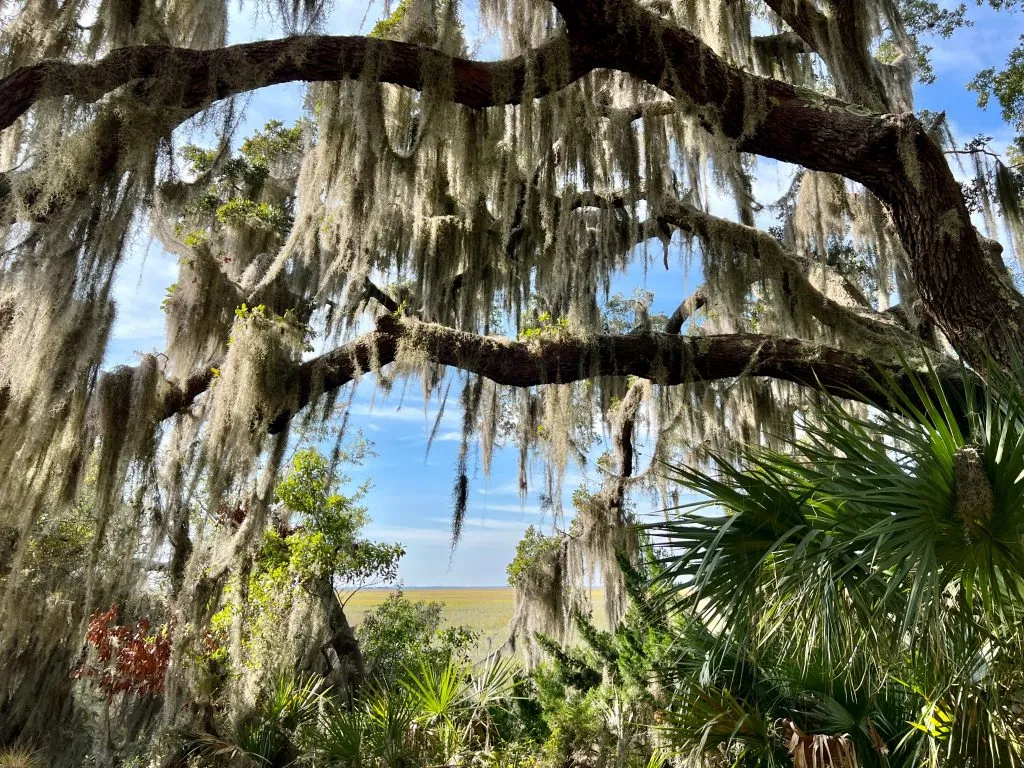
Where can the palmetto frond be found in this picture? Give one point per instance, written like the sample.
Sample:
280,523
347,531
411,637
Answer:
908,516
269,735
873,549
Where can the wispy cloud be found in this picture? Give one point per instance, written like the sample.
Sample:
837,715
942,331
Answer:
452,436
501,489
407,413
471,523
472,536
525,509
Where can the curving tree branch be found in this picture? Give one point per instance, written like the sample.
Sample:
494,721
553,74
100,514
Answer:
805,19
665,359
687,307
969,295
779,262
186,78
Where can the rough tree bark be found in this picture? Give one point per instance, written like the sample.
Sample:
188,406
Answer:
663,358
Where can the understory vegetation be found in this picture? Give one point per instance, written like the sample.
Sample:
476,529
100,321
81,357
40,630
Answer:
854,598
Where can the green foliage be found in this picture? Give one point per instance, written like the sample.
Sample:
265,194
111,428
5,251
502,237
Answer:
531,549
327,541
200,161
399,634
541,326
240,211
239,191
438,713
387,26
596,697
287,324
196,238
316,547
624,315
273,142
575,726
454,702
1006,85
271,735
860,583
168,296
570,667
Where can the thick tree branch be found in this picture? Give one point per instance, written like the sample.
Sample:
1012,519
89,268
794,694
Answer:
970,296
623,437
658,357
613,35
187,78
844,44
806,20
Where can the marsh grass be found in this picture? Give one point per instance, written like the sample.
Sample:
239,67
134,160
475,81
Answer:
485,609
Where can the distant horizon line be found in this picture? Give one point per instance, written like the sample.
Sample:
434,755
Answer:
405,587
396,587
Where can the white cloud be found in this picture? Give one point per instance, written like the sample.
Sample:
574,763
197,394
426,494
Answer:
451,436
502,489
526,509
472,536
471,523
405,413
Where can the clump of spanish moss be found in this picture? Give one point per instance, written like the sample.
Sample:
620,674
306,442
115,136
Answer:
254,385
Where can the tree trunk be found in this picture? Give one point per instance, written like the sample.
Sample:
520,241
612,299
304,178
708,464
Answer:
337,647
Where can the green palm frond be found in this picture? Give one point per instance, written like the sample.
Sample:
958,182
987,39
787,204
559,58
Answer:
869,550
495,682
268,736
440,691
862,520
390,718
342,739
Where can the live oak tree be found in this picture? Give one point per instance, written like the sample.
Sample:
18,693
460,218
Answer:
437,215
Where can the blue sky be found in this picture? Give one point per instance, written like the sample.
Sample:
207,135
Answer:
410,501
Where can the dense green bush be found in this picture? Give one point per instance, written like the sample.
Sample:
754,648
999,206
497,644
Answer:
400,633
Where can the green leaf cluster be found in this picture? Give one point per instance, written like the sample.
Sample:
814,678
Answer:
327,542
400,633
541,326
533,548
241,211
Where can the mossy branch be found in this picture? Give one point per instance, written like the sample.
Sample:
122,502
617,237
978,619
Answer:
185,78
662,358
778,261
805,19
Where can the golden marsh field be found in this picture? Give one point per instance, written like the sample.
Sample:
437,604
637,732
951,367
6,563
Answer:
485,609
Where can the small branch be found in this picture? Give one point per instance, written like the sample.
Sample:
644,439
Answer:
987,152
695,301
371,291
778,262
806,20
623,438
